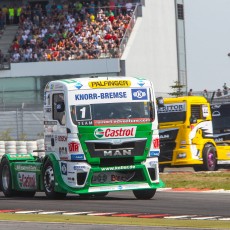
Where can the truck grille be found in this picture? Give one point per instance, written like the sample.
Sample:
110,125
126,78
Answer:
166,150
116,148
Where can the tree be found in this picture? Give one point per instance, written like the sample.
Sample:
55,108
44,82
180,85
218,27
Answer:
177,89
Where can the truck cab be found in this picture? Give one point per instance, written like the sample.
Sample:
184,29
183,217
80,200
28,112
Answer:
186,133
101,135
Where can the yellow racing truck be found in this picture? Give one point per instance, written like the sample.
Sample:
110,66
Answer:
186,135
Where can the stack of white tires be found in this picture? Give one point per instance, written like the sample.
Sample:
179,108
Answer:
31,146
10,147
41,147
36,148
21,147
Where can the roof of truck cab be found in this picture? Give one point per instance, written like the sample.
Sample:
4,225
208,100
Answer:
98,83
188,99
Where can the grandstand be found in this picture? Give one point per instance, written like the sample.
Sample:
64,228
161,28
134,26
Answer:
151,45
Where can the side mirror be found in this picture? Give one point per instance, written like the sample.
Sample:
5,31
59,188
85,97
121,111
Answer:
160,102
193,120
60,106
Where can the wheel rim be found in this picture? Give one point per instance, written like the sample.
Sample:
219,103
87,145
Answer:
211,159
49,179
5,177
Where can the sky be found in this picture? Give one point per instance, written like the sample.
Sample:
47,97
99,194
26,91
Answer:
207,35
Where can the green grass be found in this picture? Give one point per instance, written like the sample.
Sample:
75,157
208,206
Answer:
209,224
201,180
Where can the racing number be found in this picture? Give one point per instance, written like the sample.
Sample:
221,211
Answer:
83,112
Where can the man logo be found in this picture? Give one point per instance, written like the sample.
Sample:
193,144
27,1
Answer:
111,153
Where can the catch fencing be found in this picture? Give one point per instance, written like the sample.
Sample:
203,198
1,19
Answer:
21,125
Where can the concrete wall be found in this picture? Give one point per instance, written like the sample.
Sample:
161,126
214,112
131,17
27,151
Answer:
151,51
62,68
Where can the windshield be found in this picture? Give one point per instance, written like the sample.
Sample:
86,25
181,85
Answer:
172,113
113,113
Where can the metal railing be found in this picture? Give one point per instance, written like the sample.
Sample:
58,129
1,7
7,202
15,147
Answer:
5,62
21,125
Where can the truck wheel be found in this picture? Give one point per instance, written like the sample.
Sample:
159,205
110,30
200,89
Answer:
6,179
144,194
209,158
49,182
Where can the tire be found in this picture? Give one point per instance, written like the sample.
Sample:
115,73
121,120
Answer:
49,182
144,194
198,168
209,159
6,179
161,168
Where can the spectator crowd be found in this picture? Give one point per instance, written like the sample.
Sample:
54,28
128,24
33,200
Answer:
68,30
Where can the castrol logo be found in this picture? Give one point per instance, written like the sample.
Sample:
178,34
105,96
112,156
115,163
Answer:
115,132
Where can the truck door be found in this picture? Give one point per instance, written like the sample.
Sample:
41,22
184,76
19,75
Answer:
59,141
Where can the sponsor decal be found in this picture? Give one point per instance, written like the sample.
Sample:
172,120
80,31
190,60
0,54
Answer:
113,168
216,114
100,96
99,178
114,153
79,167
156,143
62,138
205,110
73,146
62,150
164,136
50,122
69,81
219,139
139,94
180,107
27,180
112,177
121,121
75,157
20,156
84,123
141,83
154,153
109,84
26,167
63,158
115,132
63,168
78,85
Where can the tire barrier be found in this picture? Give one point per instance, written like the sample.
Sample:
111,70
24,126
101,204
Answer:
36,148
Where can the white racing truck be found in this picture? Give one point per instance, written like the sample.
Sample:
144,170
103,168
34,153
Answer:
101,135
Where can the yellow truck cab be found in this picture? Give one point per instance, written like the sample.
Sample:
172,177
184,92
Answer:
186,135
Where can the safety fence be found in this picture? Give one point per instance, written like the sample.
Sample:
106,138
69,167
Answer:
21,125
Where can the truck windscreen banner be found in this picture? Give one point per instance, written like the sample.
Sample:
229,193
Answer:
97,96
172,112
